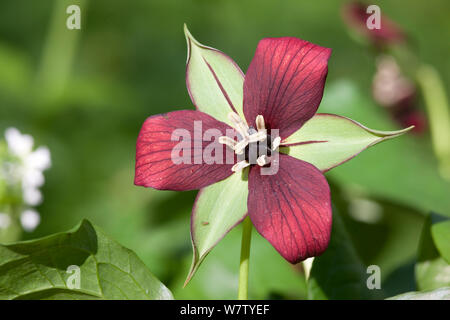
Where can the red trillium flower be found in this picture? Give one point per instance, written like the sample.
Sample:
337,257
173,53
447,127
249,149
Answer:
280,146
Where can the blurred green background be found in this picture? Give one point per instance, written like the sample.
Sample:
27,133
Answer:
85,94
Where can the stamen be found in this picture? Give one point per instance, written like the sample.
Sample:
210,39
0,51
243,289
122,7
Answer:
240,165
228,141
249,136
258,136
239,125
263,160
260,125
255,137
240,146
276,143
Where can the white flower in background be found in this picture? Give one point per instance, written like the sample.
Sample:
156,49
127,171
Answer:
33,163
19,144
27,171
32,196
30,219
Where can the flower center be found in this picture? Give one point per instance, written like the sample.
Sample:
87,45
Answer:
254,150
254,146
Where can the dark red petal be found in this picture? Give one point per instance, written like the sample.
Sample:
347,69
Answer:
292,208
154,165
284,83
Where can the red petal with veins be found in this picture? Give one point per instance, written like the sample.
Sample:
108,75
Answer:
154,165
291,208
284,83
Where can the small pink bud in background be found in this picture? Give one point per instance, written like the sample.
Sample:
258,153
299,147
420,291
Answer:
355,15
392,90
390,87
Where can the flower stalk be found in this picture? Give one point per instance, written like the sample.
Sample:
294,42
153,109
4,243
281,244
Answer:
245,259
438,114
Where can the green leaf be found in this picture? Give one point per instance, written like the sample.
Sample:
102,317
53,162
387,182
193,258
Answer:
438,294
339,273
441,236
214,80
45,269
218,208
328,140
432,271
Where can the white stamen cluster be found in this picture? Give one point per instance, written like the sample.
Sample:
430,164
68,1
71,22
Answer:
248,135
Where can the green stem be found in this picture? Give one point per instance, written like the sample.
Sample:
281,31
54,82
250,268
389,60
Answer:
245,256
438,115
58,55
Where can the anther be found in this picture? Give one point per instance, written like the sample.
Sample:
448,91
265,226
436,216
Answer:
239,125
260,125
263,160
240,146
228,141
240,165
257,137
276,143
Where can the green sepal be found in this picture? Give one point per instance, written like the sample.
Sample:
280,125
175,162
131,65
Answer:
217,209
328,140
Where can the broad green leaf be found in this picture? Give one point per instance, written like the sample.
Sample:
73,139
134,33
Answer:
395,230
327,140
403,170
438,294
47,268
218,208
215,82
432,271
441,236
339,273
